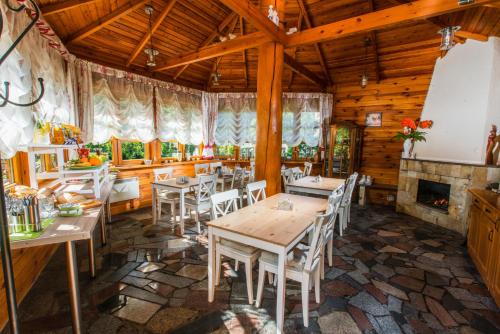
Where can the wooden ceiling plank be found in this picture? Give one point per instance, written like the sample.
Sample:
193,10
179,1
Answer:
105,21
217,61
156,24
294,50
373,37
210,38
416,10
256,18
59,7
244,53
302,70
321,57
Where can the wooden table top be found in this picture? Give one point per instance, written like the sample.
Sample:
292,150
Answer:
192,182
326,183
265,222
65,229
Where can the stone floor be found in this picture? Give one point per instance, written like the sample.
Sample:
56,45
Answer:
391,274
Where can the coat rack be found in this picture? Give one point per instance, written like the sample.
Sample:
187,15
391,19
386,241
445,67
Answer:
34,16
8,273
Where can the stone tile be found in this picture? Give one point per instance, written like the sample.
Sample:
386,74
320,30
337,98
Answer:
144,295
195,272
334,273
175,281
411,272
136,273
462,294
358,276
391,249
339,323
339,289
383,270
459,318
122,272
368,303
148,267
408,282
432,243
394,304
169,319
384,233
434,256
136,281
137,310
417,301
391,290
436,293
440,312
105,324
385,324
432,321
360,318
163,290
436,279
375,292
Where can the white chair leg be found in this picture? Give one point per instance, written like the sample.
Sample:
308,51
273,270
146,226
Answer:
270,277
330,251
172,210
260,285
316,285
305,300
217,268
341,221
322,263
158,210
236,265
198,224
248,274
348,213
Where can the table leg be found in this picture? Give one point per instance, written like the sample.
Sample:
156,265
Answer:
280,300
108,208
211,265
182,211
103,226
74,291
91,257
154,203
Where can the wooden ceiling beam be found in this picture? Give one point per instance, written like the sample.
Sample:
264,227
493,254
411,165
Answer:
108,19
373,37
235,45
244,54
156,24
321,57
59,7
256,18
302,70
385,18
217,61
214,34
294,50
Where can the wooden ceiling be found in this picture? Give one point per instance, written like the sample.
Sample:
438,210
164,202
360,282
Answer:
115,33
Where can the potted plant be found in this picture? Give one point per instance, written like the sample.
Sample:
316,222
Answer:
411,134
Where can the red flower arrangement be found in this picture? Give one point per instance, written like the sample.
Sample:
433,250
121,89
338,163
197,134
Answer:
410,132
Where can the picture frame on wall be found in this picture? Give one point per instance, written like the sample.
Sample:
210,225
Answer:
373,119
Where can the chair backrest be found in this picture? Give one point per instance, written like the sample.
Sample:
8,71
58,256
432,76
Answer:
201,168
297,173
224,203
349,188
334,201
256,190
238,178
314,253
206,187
287,176
162,174
214,165
307,168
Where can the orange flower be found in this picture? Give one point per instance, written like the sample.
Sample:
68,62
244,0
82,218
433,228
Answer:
426,124
408,122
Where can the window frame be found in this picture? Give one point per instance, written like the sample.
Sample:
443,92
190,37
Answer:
124,162
159,157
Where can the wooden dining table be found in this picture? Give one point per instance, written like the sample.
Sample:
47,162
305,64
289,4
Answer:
265,226
311,185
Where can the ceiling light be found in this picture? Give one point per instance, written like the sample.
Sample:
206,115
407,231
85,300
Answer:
151,51
447,35
364,76
364,80
465,2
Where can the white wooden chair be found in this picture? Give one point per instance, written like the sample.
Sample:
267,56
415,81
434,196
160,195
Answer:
222,204
201,202
307,168
165,196
239,182
256,191
287,176
345,204
304,267
201,169
297,173
214,165
334,201
252,171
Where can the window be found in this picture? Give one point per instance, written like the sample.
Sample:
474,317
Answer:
307,152
104,149
224,151
169,149
7,172
247,151
191,150
132,150
286,152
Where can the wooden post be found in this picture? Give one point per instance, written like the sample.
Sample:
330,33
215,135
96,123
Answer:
269,108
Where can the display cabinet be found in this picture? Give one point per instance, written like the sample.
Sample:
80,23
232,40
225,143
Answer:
344,142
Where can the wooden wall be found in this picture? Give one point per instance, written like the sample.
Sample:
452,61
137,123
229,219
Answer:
396,98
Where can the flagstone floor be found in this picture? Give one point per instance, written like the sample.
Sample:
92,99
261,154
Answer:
391,274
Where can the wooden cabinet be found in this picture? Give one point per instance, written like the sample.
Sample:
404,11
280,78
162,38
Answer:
483,238
344,143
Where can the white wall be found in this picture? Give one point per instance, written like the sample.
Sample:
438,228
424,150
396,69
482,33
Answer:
463,101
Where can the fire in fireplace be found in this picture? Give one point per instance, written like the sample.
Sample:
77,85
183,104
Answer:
433,194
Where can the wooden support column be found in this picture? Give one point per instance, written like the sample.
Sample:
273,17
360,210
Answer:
269,108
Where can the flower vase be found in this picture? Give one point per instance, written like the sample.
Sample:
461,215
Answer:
407,148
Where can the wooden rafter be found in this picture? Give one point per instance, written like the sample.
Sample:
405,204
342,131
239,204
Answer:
385,18
321,57
257,18
156,24
210,38
294,50
59,7
302,70
105,21
244,53
373,37
232,26
417,10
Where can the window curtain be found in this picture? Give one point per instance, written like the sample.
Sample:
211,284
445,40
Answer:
301,119
34,57
179,116
122,109
237,119
83,92
210,105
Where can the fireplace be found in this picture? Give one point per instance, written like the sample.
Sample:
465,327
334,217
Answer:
435,195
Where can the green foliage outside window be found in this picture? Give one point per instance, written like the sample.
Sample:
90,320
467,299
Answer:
132,150
7,172
226,151
169,149
191,150
286,152
342,143
104,149
307,152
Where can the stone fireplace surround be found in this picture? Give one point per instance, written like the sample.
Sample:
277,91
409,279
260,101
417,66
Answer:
461,177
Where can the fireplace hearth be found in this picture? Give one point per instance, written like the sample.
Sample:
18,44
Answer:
435,195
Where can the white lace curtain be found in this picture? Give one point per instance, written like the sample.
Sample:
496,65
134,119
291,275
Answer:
236,120
32,58
179,116
301,120
122,109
